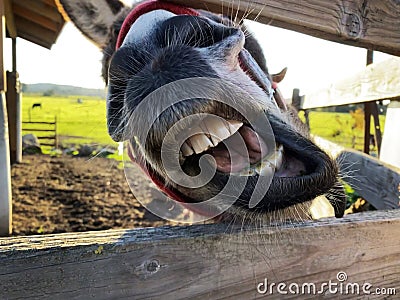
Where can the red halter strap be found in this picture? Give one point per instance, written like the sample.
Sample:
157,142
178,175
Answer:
146,7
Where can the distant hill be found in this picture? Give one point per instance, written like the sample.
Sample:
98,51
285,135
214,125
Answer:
55,89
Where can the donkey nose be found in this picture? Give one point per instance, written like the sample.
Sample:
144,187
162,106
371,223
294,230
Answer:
193,31
228,48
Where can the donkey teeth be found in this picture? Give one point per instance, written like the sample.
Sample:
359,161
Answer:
200,143
214,131
266,169
234,126
220,129
186,149
277,158
270,164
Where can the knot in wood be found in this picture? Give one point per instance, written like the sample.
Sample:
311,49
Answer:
147,268
153,266
353,25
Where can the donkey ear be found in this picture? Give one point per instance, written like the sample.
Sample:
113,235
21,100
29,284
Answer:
279,76
93,18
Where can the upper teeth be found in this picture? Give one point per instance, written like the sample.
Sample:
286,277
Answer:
214,130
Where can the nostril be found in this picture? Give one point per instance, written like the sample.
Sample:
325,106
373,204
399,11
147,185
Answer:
228,47
228,35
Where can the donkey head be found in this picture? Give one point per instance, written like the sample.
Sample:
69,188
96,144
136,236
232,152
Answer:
195,85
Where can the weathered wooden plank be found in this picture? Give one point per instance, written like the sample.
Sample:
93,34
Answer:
370,24
204,261
35,32
41,8
377,82
374,180
36,18
12,30
14,113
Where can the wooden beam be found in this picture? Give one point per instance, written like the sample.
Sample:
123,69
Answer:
368,108
203,261
45,22
36,40
12,30
370,24
377,82
14,116
36,33
3,84
372,179
5,172
40,8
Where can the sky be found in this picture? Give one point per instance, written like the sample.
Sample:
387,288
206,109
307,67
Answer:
312,63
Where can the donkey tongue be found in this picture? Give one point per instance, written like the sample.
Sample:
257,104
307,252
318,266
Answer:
230,157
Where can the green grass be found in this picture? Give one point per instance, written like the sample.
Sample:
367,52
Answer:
77,123
337,127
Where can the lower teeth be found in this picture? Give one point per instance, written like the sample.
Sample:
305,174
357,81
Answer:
265,167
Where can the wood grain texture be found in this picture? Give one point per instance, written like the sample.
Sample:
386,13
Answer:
374,180
42,8
377,82
203,261
31,31
372,24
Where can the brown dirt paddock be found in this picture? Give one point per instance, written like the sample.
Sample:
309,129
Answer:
70,194
74,194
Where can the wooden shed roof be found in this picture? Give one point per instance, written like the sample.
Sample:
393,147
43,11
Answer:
37,21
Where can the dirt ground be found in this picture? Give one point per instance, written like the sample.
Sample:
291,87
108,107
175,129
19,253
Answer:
71,194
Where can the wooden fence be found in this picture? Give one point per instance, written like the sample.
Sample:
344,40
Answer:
41,128
215,262
205,261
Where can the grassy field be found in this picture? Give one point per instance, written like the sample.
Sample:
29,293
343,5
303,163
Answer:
77,123
85,123
342,128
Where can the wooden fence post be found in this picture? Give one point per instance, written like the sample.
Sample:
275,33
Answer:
5,172
371,109
14,116
297,103
55,133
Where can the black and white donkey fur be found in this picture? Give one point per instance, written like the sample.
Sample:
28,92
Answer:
162,47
